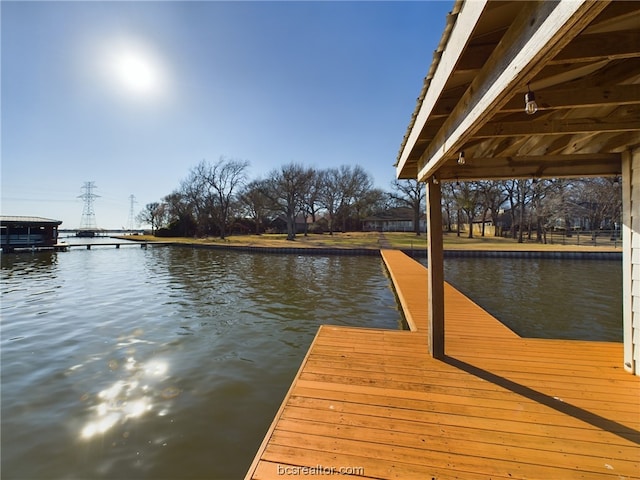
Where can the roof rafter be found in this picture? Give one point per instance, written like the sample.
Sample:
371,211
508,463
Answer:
558,99
540,31
601,46
467,18
582,60
533,166
559,127
552,99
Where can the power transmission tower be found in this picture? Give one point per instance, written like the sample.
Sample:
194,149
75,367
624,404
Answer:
88,221
131,224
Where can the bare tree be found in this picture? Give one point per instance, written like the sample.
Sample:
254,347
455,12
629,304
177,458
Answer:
353,185
310,199
152,214
448,204
601,200
211,190
225,178
541,190
467,196
256,202
195,191
518,195
410,193
492,196
329,194
285,188
373,201
180,217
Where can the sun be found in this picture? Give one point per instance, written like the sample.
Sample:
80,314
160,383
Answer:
134,69
136,73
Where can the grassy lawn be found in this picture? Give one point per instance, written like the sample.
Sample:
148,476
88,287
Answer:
337,240
375,240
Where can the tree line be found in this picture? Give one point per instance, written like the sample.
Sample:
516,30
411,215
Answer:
219,198
530,208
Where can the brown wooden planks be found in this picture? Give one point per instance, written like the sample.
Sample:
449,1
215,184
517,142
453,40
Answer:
497,406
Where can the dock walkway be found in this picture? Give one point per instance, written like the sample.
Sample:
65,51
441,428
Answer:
373,403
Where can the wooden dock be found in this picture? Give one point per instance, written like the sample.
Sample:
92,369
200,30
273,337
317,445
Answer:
373,404
63,246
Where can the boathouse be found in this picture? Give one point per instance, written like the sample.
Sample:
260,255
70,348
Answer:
531,90
28,232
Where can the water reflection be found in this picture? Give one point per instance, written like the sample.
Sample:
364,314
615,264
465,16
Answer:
141,389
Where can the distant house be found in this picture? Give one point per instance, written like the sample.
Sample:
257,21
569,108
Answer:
279,224
28,232
392,220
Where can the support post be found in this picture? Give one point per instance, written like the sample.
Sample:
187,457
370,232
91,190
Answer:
631,259
435,273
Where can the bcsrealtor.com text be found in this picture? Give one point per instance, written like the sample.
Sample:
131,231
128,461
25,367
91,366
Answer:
294,470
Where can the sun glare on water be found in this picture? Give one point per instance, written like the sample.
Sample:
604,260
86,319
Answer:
141,390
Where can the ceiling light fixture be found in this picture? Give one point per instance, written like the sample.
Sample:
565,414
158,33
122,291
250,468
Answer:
461,160
530,105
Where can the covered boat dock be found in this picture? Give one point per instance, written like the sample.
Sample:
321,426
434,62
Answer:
28,232
461,396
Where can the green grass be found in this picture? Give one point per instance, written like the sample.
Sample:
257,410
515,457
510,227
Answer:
399,240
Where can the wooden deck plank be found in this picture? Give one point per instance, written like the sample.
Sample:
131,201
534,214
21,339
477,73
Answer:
562,385
498,406
406,420
478,444
377,468
442,462
550,409
598,400
474,417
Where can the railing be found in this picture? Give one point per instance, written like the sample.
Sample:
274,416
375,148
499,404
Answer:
602,238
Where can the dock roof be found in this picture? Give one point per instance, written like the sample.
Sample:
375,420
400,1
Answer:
8,219
582,61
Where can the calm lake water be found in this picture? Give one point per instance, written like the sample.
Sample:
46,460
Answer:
546,298
170,363
166,363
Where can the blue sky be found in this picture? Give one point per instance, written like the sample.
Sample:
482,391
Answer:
132,95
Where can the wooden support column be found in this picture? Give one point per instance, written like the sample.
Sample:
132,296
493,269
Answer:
435,274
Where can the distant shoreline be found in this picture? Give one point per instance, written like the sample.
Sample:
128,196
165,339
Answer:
371,244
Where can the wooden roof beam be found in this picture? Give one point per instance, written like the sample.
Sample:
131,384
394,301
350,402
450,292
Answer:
578,98
606,46
465,22
550,99
559,127
618,16
589,75
540,32
533,166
